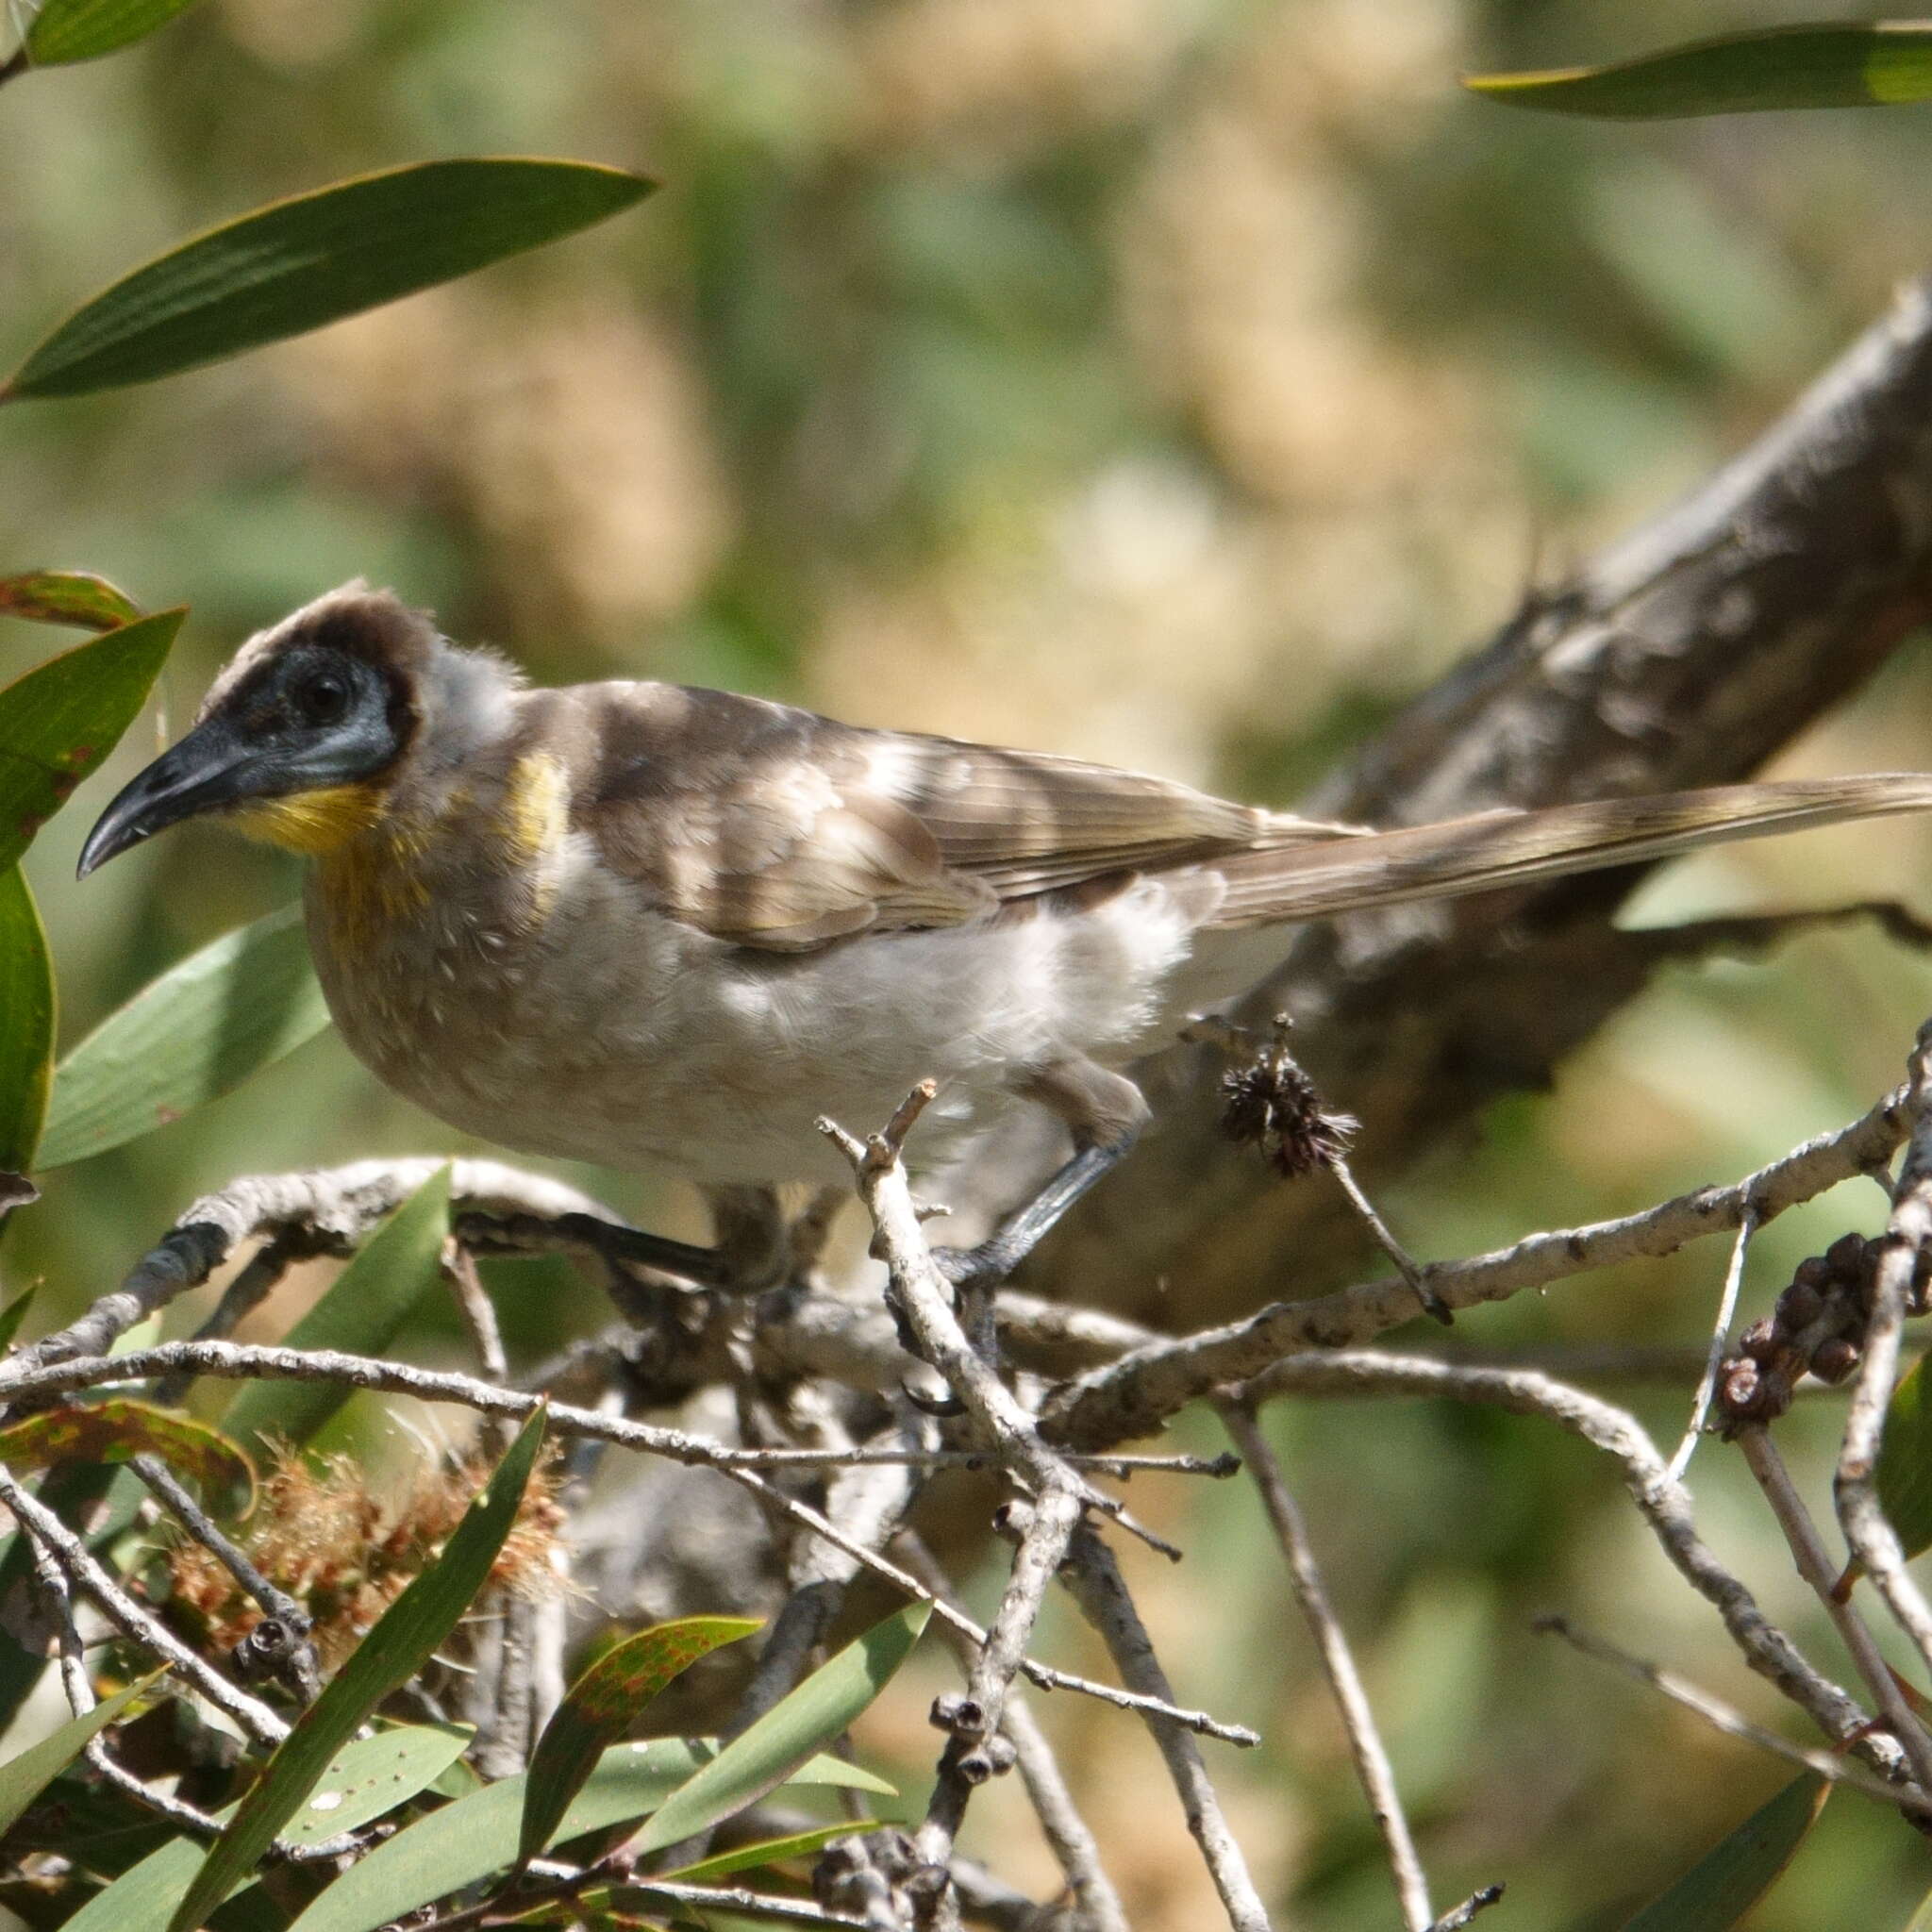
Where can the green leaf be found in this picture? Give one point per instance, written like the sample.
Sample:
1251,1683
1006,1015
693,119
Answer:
13,1314
401,1644
74,597
59,721
796,1726
602,1705
190,1036
1738,1871
368,1779
471,1840
1921,1919
1905,1462
144,1893
68,31
313,258
372,1777
770,1850
362,1314
24,1778
1877,64
117,1430
27,1035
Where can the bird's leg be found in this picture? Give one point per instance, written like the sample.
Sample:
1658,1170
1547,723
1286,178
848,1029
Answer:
1105,1113
994,1258
753,1242
515,1234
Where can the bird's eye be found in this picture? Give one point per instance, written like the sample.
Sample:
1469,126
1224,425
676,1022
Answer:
322,698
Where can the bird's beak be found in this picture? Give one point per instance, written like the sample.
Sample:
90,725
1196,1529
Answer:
211,766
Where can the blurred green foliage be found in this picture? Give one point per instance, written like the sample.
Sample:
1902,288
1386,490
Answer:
1176,382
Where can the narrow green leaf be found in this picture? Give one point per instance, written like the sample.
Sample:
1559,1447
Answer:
118,1429
189,1037
788,1733
602,1705
24,1778
1876,65
400,1645
1921,1919
367,1780
770,1850
13,1314
370,1778
471,1840
60,720
362,1314
1905,1462
66,30
1738,1871
144,1893
314,259
27,1035
75,598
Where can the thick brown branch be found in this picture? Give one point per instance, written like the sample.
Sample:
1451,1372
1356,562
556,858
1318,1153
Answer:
1688,654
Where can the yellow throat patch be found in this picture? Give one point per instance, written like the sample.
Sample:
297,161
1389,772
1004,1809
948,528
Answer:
312,822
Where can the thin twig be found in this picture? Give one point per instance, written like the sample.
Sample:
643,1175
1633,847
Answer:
1814,1564
1383,1235
1733,1723
1664,1504
239,1362
1906,1239
1133,1396
134,1622
281,1640
1726,1310
338,1206
1096,1585
57,1602
1477,1903
1365,1745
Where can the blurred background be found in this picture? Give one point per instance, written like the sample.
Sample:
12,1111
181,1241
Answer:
1180,383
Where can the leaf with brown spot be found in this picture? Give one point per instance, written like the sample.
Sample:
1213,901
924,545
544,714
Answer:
117,1430
75,597
602,1705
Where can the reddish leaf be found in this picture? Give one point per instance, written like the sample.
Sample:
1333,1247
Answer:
118,1431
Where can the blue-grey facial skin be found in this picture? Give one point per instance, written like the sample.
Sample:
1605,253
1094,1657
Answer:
311,717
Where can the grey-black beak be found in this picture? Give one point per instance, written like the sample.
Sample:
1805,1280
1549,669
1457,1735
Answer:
209,767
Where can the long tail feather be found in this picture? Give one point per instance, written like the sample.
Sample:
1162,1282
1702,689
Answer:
1507,847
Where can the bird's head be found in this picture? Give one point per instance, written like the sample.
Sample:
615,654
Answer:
301,736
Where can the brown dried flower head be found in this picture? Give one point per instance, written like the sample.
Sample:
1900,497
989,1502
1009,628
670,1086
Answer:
1271,1104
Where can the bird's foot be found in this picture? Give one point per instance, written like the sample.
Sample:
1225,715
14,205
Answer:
978,1269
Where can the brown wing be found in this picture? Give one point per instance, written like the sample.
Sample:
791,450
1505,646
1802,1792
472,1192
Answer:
775,827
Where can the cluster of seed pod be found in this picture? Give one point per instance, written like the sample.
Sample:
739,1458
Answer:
1816,1327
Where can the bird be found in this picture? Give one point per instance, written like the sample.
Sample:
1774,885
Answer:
662,927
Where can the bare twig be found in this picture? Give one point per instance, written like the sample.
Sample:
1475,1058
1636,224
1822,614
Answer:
1894,1293
1372,1764
1726,1309
139,1625
338,1206
1733,1723
1095,1582
50,1581
1663,1503
1471,1908
1134,1396
280,1642
237,1361
1815,1566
